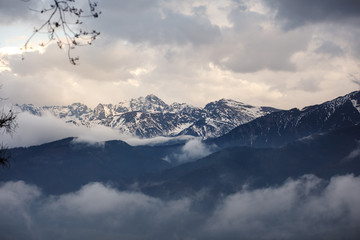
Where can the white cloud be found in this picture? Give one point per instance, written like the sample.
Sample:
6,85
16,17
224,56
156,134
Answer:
193,149
35,130
174,43
95,211
353,154
307,208
291,211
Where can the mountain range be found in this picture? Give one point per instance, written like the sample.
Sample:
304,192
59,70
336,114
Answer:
65,165
150,116
322,140
229,170
279,128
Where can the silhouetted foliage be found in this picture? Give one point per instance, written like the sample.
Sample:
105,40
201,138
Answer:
7,125
4,156
63,25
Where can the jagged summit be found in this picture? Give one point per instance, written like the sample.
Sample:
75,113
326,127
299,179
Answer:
150,116
354,97
228,102
281,127
152,97
150,103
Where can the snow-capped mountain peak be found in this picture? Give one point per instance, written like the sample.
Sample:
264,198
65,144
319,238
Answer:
150,103
281,127
150,116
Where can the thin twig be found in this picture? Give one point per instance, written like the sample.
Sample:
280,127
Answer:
70,38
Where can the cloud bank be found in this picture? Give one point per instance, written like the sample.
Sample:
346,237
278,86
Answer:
306,208
35,130
280,53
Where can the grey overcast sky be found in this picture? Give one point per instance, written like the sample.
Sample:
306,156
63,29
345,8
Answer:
281,53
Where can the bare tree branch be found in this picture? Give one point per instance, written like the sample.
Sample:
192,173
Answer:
63,25
7,125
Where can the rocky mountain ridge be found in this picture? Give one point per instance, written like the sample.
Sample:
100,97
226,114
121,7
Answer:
279,128
150,116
